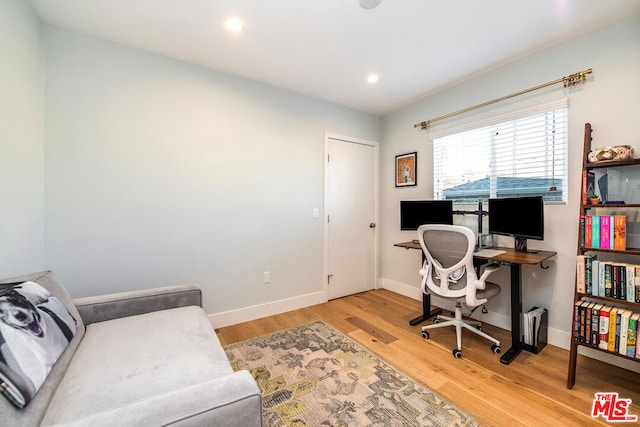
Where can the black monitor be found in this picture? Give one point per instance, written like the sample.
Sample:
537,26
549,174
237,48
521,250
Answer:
519,217
414,213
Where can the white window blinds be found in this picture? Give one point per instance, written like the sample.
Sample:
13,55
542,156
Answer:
522,156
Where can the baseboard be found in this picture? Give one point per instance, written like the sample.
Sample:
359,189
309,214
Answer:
245,314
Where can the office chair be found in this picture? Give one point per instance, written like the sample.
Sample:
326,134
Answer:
448,272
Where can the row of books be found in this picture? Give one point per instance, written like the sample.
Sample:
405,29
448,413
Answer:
604,231
606,327
609,279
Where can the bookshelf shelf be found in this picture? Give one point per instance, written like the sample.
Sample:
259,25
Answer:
607,352
611,205
629,251
630,304
583,326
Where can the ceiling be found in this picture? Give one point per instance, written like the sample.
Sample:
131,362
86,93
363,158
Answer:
326,48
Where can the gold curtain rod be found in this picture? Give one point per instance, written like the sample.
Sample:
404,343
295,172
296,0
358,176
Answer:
567,81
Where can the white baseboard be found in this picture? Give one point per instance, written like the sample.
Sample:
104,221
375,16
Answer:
245,314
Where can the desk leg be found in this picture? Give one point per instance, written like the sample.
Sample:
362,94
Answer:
516,309
426,310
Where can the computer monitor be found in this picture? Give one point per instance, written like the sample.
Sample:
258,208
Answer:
519,217
414,213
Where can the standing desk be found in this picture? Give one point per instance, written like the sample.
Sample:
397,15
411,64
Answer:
515,260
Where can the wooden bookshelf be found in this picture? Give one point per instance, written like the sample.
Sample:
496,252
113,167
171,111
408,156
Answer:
585,208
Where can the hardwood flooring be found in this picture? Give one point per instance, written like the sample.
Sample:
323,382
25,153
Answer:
531,391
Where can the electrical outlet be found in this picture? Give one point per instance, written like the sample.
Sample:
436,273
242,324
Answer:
267,277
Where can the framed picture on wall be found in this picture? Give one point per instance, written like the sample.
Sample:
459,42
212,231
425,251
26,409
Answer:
406,169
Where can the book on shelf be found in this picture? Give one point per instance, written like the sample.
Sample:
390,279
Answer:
595,277
620,232
630,284
588,322
625,315
637,284
605,231
601,279
609,279
588,274
608,275
613,315
632,339
580,274
615,329
604,327
595,231
576,320
595,324
616,341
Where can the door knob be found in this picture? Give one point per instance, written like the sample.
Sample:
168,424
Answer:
372,225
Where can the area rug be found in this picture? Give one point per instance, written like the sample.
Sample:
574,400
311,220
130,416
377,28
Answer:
314,375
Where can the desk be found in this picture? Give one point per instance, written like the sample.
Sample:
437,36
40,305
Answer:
514,259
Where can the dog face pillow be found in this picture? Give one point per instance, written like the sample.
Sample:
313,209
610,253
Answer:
35,328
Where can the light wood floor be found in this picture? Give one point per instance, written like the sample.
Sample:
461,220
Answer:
530,391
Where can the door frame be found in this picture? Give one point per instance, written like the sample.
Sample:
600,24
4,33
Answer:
325,226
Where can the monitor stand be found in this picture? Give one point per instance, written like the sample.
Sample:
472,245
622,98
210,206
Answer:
521,244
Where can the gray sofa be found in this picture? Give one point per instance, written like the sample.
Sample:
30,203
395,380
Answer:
143,358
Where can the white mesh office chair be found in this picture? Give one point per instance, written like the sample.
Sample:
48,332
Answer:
448,272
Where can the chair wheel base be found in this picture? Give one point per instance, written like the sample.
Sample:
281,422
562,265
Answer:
425,335
457,353
436,320
496,349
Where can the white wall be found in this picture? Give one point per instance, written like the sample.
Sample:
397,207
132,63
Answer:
21,174
610,101
160,172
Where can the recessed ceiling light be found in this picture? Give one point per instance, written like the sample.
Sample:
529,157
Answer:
373,78
369,4
234,25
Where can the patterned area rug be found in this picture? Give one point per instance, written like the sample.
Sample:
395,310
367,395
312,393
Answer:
313,375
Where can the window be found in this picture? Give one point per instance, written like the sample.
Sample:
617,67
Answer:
522,156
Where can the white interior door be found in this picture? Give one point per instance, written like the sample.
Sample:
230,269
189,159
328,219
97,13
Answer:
351,209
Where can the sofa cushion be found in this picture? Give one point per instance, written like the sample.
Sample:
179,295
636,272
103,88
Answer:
33,413
136,358
35,328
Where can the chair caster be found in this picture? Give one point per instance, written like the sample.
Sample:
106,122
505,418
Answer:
457,353
436,320
479,327
496,349
425,335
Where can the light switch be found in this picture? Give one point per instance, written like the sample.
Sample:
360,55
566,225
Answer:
316,213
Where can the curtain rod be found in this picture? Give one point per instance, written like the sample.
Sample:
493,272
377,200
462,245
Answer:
567,81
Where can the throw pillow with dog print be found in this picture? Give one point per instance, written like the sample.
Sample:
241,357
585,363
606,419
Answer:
35,328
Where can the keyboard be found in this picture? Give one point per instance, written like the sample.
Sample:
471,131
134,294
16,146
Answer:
488,253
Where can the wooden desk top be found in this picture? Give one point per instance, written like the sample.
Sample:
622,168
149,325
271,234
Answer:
510,255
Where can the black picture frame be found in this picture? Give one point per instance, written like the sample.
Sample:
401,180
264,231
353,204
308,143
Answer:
406,170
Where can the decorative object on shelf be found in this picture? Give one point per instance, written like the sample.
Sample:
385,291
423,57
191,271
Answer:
593,198
616,152
406,170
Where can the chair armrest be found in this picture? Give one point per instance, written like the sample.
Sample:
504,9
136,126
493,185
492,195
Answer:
123,304
487,271
230,401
